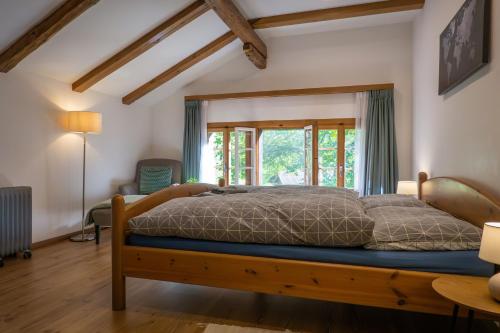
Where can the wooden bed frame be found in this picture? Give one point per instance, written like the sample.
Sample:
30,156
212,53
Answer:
363,285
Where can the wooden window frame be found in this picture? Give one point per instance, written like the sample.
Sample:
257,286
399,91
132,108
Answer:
340,151
340,124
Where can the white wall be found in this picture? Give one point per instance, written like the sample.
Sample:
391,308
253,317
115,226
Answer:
35,151
168,126
282,108
347,57
456,134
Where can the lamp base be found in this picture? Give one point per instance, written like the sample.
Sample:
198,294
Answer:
83,238
494,286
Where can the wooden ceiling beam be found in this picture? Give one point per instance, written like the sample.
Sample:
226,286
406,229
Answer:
254,56
239,25
180,67
336,13
42,32
141,45
373,8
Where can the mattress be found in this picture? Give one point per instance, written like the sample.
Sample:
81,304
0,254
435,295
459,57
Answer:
452,262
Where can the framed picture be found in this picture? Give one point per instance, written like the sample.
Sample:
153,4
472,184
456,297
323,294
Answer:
464,44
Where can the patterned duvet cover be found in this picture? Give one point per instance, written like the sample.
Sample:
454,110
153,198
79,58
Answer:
292,215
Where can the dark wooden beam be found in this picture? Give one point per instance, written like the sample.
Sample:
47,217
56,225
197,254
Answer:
42,32
254,56
180,67
293,92
141,45
373,8
239,25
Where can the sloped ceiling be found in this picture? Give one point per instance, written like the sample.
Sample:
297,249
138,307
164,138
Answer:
111,25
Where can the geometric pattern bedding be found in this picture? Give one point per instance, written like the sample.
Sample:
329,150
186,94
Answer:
417,228
279,215
297,189
399,200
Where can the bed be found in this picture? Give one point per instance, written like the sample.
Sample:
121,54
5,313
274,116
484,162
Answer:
374,278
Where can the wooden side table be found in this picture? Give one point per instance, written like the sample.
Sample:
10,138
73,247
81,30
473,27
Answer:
469,292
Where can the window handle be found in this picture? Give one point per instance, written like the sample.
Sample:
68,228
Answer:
341,170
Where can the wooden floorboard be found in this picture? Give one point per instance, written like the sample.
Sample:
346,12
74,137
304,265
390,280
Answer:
66,287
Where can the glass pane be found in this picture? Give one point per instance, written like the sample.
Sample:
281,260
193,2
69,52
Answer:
327,159
327,155
216,156
245,158
350,144
327,138
328,177
282,157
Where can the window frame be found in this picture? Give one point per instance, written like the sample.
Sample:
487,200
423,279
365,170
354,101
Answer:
250,155
340,124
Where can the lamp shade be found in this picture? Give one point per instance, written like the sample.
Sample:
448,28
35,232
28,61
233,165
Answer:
407,187
490,243
83,122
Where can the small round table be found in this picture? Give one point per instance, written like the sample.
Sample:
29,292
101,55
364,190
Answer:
469,292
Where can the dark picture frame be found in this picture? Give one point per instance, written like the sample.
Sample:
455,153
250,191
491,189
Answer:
464,46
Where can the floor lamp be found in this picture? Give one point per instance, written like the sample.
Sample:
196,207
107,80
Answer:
84,122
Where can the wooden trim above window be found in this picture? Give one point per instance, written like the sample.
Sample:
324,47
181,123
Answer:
216,129
293,92
285,124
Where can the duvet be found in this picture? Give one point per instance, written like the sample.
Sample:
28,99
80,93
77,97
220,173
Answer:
329,217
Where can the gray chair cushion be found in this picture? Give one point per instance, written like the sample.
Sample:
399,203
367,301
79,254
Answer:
128,189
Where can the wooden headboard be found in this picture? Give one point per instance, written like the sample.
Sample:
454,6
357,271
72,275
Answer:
459,198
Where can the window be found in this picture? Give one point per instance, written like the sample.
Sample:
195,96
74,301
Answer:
336,152
216,156
327,157
282,157
242,163
293,152
350,156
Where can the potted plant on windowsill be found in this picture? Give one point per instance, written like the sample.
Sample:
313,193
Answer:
222,182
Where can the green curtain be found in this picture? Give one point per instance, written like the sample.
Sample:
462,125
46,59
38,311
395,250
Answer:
381,158
191,156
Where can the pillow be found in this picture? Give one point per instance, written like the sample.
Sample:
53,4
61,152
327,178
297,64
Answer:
154,178
307,189
383,200
417,228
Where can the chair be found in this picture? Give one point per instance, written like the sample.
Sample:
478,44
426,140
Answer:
133,188
102,217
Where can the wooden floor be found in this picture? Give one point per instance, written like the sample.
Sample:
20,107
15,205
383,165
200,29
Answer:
66,287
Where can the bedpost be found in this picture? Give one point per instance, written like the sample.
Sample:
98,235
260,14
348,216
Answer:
422,177
118,241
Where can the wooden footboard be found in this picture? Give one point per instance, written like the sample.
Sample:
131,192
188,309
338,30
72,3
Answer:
120,217
379,287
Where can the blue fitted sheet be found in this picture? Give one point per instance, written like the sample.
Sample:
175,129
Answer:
453,262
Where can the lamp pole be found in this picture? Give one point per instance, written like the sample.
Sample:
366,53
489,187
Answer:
83,237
